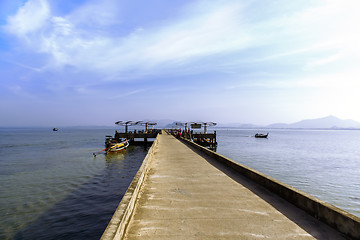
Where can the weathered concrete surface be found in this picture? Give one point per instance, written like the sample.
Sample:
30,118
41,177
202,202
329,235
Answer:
338,219
187,196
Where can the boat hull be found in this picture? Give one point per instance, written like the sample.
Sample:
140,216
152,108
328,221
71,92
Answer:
261,135
118,147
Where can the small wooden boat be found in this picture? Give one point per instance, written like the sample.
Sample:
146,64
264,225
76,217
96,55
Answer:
117,147
259,135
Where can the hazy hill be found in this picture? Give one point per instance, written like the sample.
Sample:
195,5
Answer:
326,122
329,122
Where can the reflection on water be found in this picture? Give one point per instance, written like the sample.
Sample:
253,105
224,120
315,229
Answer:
116,156
55,189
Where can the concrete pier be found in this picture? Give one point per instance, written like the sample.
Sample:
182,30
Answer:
180,193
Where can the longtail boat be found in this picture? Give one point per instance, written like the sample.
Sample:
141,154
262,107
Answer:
259,135
117,147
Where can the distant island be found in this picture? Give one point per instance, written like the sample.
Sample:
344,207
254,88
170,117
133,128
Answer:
329,122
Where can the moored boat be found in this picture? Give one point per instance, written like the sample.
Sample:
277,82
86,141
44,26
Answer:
259,135
117,147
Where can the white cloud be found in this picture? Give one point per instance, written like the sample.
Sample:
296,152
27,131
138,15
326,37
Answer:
30,18
174,43
324,34
217,31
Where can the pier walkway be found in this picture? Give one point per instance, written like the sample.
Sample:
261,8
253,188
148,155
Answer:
187,195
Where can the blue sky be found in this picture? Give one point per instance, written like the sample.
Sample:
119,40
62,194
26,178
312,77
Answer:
94,62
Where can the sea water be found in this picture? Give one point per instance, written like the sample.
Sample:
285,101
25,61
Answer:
51,186
322,163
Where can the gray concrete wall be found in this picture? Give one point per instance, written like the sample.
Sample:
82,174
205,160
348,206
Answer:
339,219
118,223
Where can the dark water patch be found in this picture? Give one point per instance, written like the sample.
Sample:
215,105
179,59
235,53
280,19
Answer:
85,213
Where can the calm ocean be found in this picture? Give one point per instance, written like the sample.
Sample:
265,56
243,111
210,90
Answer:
52,187
322,163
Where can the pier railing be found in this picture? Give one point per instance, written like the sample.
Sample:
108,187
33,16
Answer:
137,137
204,139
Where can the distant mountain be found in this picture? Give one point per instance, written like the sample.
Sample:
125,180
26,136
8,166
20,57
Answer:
326,122
329,122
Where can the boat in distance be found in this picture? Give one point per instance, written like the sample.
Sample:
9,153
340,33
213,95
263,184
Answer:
259,135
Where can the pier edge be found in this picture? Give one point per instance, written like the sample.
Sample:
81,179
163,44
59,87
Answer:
119,221
335,217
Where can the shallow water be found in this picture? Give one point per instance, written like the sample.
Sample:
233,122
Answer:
53,188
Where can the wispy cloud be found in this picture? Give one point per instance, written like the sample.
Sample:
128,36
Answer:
126,94
174,43
83,38
231,48
35,69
